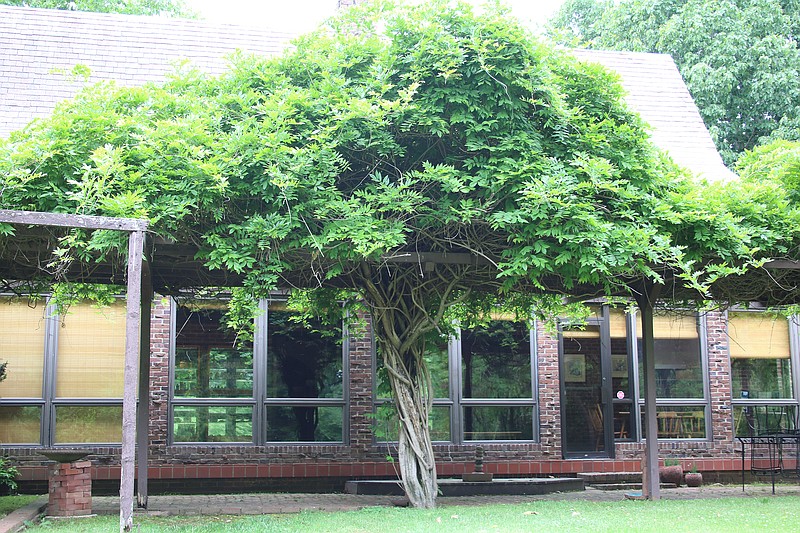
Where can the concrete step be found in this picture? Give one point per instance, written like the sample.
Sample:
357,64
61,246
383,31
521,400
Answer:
456,487
594,478
628,486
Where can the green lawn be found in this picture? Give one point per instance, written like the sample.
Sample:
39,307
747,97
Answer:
10,503
723,515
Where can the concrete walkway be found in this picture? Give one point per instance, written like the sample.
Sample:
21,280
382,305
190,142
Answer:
292,503
242,504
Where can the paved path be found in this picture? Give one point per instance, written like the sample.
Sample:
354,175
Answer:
291,503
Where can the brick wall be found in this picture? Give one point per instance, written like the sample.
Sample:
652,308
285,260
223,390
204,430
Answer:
360,456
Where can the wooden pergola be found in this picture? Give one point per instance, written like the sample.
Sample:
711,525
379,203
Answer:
137,342
169,266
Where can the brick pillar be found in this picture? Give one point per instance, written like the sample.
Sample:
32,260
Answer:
719,378
360,359
71,489
549,392
159,374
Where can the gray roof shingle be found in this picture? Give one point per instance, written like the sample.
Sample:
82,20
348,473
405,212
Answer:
40,47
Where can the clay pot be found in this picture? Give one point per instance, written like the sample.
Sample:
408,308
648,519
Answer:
671,474
693,479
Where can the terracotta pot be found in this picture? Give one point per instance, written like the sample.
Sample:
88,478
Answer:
671,474
693,479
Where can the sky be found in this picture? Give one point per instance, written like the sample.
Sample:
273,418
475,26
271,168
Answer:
297,16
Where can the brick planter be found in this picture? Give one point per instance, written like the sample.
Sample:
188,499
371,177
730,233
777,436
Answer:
71,489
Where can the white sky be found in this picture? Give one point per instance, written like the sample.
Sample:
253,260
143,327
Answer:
297,16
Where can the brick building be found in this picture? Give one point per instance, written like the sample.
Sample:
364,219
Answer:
302,407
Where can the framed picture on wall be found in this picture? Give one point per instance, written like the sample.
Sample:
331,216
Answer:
574,368
619,366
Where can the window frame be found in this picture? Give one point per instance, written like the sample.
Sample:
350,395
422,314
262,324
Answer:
794,363
703,403
49,402
259,402
456,402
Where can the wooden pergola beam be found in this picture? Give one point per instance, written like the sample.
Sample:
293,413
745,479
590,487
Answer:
66,220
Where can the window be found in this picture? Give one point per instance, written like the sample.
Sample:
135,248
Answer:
761,373
483,384
681,398
285,386
64,385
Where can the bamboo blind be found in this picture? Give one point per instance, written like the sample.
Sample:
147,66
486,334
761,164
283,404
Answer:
91,352
758,336
671,326
22,347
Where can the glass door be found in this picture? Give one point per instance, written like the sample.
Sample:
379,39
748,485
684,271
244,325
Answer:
587,416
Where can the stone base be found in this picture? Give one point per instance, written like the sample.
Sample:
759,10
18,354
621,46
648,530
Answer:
477,477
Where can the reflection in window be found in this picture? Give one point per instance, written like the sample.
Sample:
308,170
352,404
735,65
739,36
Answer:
386,427
679,369
303,362
20,424
753,420
208,362
301,423
496,365
496,361
498,422
94,423
760,356
212,423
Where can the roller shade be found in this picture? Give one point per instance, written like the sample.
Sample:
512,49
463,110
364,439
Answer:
758,336
91,352
671,326
22,347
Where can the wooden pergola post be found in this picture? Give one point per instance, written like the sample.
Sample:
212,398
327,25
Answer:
143,412
651,488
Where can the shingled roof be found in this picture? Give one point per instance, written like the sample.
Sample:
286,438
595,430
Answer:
40,47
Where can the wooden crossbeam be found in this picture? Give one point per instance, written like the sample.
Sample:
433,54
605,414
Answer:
68,220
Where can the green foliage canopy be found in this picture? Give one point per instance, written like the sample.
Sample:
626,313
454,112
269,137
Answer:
391,131
740,58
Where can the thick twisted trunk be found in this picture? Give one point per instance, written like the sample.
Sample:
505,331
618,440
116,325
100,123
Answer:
415,452
407,305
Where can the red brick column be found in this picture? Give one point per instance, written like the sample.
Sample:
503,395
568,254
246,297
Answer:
71,489
549,393
719,378
360,359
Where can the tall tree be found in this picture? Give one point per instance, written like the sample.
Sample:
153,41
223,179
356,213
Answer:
436,162
740,58
173,8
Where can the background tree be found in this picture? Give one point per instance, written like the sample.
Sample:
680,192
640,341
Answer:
740,58
173,8
436,162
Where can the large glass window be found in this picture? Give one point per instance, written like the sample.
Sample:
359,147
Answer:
496,382
285,386
761,373
65,373
760,356
482,386
680,370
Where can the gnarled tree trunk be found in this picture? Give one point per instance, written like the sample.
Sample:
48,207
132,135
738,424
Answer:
409,378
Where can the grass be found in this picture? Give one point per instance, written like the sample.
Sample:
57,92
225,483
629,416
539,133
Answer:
11,503
723,515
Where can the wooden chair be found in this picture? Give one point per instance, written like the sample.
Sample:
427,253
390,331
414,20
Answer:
596,423
670,425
